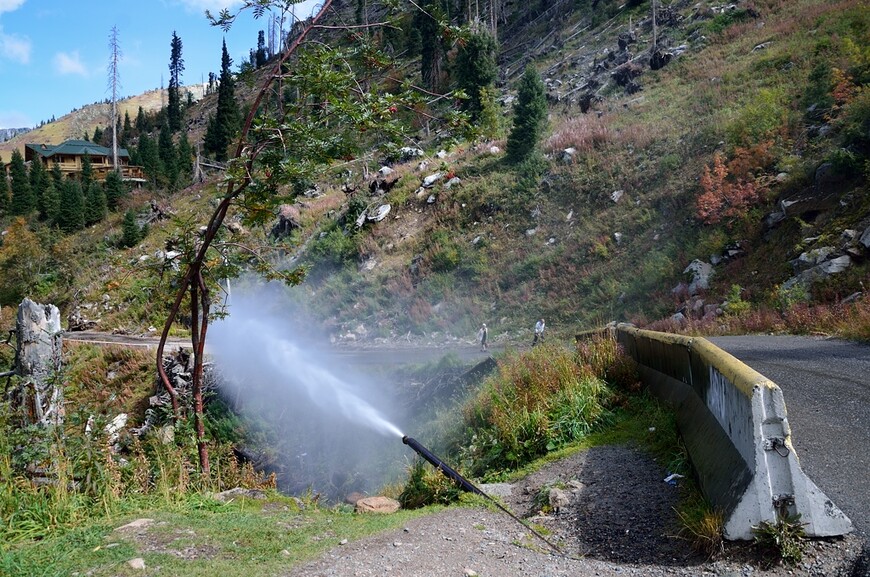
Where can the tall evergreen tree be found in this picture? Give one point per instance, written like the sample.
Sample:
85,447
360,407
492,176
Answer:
150,159
530,116
4,190
431,48
71,216
39,181
98,136
131,234
184,160
168,157
261,50
141,122
476,69
127,131
115,190
56,175
176,67
87,174
225,122
95,204
50,202
23,202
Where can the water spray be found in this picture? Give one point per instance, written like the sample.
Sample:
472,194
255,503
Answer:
469,487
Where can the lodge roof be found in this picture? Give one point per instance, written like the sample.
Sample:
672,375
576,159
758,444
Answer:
75,148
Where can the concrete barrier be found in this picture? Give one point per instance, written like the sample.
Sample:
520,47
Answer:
734,424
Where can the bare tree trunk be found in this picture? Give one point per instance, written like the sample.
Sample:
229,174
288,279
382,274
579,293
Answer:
38,362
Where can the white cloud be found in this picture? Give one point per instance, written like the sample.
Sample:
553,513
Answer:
14,119
69,63
10,5
15,47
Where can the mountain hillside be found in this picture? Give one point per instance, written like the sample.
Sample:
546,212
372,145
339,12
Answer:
698,163
84,120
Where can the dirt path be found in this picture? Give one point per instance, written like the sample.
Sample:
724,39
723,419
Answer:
619,521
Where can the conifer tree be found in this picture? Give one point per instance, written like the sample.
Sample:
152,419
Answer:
23,202
431,48
141,122
475,70
168,159
4,191
176,67
56,175
530,115
71,216
223,125
95,204
150,159
98,136
50,202
131,234
260,57
127,131
184,160
39,181
115,190
87,174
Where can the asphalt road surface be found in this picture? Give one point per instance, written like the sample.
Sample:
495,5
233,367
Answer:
826,385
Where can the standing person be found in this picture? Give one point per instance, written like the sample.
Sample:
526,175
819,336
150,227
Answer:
539,332
481,336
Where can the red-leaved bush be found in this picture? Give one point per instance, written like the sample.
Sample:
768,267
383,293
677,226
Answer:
722,197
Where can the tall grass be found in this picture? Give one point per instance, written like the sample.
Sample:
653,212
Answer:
537,402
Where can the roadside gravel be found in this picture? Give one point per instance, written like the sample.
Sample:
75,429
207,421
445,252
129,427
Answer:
619,520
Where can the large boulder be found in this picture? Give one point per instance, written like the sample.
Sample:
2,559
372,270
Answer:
699,273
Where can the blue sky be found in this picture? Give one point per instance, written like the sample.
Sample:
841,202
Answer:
54,54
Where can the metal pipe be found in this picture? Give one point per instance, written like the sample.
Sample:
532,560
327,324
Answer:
442,466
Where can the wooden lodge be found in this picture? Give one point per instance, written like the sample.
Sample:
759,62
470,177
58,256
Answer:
69,156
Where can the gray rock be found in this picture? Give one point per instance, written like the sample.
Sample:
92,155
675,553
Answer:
616,195
836,265
430,180
700,273
865,238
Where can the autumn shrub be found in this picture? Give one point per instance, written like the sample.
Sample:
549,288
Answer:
724,197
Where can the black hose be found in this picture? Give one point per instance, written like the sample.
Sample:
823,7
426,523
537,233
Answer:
469,487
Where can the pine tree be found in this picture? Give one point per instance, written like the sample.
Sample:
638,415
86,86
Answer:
23,202
141,122
87,174
50,202
184,160
4,190
530,116
71,216
431,49
98,136
225,122
130,232
149,158
176,67
261,49
56,175
115,190
95,204
127,132
39,181
166,151
475,70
